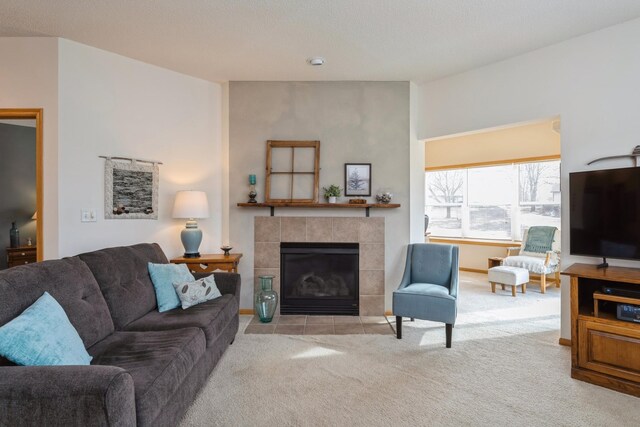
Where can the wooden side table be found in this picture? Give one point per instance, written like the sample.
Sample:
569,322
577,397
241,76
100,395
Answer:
208,263
495,261
21,255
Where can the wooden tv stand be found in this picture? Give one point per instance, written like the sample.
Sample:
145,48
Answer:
604,350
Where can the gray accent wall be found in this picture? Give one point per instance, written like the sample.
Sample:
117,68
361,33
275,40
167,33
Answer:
355,122
18,181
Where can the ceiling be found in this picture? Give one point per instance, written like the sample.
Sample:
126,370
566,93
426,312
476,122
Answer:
418,40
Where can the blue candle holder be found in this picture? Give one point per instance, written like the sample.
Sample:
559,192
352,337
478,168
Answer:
252,189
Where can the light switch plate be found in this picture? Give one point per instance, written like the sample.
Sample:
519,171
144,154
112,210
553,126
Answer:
88,215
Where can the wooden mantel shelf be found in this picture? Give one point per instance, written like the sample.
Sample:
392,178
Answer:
365,206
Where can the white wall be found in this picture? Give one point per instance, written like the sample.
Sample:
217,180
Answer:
416,170
113,105
592,82
28,79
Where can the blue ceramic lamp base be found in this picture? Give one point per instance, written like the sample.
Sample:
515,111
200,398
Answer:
191,238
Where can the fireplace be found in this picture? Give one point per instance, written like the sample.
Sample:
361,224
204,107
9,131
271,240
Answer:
319,278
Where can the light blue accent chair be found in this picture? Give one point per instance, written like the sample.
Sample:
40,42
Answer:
429,287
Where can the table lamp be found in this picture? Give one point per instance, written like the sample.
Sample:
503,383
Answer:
191,205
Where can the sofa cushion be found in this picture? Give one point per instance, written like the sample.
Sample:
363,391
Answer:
419,298
70,282
211,316
158,362
533,264
124,279
429,289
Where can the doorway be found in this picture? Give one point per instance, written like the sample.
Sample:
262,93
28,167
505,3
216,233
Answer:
21,158
484,191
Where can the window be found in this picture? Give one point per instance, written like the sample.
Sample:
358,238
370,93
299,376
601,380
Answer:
444,201
493,202
539,194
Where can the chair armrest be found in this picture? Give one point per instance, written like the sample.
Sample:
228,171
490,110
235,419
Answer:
66,395
227,283
552,256
455,271
406,276
513,249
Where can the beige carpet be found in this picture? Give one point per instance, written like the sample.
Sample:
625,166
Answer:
505,368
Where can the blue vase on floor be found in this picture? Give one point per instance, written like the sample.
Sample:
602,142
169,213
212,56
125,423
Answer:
266,300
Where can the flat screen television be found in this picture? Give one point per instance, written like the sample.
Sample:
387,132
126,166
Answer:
605,213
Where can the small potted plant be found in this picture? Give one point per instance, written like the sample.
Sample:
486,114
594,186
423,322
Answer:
332,192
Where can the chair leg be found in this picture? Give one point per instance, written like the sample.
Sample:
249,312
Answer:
502,286
543,283
448,328
513,290
557,279
524,288
399,327
493,287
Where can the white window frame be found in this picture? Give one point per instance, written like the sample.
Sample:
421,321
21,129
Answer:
515,202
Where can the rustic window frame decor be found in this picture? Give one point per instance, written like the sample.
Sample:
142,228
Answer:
348,191
292,145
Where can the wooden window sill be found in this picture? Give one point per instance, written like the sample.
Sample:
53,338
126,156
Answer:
477,242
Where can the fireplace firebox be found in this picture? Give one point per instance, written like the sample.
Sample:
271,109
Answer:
319,278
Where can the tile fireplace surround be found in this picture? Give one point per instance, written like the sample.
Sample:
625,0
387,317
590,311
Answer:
269,231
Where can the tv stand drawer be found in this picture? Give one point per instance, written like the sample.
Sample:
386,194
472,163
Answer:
609,349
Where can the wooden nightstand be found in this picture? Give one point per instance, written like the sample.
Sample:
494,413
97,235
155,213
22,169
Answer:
210,263
21,256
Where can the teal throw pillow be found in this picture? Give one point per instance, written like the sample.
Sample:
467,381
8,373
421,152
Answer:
163,277
198,291
42,336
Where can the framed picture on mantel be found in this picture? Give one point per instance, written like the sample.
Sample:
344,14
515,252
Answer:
357,179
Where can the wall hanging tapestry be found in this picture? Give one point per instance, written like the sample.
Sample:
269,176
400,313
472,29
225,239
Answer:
130,189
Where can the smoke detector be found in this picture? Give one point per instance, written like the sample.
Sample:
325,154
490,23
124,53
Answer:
315,61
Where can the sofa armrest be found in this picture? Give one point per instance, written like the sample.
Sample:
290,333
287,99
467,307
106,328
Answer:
227,283
66,395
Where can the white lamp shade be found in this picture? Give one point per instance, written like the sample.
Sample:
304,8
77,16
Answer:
191,204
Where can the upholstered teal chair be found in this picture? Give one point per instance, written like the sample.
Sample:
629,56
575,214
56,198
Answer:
429,287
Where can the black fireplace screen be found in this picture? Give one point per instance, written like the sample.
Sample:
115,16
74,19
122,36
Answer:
319,278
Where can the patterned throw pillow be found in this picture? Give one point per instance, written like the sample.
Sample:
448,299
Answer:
199,291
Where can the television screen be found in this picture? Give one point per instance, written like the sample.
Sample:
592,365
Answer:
605,213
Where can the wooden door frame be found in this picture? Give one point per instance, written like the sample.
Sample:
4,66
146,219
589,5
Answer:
33,114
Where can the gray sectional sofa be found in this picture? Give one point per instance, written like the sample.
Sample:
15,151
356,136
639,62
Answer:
147,366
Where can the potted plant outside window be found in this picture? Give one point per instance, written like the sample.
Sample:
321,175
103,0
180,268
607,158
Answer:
332,192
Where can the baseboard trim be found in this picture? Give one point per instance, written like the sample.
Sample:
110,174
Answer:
473,270
564,341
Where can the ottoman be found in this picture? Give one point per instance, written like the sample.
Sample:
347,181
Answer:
509,276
